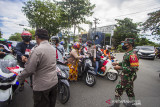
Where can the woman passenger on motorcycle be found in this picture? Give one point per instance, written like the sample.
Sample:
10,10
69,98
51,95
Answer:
107,53
73,62
98,57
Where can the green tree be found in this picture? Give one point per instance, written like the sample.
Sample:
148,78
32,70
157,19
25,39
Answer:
153,24
76,11
125,29
144,41
43,14
15,37
1,33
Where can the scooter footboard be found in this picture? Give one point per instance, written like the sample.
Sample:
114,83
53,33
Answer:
113,71
92,72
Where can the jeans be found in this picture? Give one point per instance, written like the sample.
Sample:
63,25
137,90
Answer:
97,66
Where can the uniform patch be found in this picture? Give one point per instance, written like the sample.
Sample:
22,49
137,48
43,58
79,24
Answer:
134,61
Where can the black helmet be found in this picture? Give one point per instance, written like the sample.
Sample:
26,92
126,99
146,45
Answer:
55,38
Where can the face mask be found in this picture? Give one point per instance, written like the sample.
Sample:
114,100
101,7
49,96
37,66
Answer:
124,47
26,39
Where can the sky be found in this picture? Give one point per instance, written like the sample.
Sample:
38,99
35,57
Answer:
106,11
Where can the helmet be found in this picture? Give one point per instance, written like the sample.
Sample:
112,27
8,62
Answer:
89,42
26,36
76,45
62,42
55,38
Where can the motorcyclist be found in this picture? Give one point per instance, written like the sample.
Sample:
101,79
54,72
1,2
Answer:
4,43
107,52
98,57
23,49
60,52
90,50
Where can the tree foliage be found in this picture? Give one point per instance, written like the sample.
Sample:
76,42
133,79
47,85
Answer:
15,37
153,23
1,33
43,14
125,29
76,11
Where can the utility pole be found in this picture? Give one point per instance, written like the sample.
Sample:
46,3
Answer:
96,22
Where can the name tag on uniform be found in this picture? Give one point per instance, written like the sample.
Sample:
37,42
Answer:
27,51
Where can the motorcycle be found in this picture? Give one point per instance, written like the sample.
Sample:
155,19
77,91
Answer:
86,71
63,84
106,69
8,78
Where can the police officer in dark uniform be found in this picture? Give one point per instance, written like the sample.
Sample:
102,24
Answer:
129,67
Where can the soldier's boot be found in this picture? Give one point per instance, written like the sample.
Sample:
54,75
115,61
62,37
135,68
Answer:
116,104
131,103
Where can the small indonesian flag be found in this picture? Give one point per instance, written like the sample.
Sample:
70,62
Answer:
9,46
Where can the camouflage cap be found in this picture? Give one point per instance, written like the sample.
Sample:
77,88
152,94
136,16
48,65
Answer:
129,40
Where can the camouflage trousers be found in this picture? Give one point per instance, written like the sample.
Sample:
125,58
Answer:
125,84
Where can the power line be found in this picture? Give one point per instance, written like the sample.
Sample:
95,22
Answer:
132,13
137,12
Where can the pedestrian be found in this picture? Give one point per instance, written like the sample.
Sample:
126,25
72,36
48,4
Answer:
42,64
60,52
22,50
73,62
129,67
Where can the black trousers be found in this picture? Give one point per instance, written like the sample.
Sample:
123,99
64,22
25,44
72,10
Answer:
45,98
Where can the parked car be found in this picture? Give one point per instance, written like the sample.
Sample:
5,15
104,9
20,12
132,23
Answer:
146,52
136,49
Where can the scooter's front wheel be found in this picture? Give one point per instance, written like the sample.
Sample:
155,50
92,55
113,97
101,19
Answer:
112,76
90,79
63,93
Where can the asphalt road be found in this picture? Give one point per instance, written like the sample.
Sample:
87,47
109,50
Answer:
146,87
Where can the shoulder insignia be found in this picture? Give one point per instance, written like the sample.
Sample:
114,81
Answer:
134,61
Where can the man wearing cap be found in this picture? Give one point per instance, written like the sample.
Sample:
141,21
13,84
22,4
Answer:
129,67
42,64
91,50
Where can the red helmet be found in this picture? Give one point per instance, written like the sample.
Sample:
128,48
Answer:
26,33
26,36
76,45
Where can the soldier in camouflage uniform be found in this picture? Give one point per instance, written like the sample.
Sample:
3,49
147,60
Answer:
129,67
